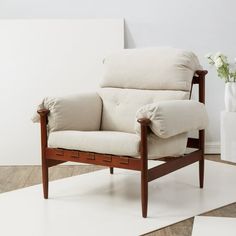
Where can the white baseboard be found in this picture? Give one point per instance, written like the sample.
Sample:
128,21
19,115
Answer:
212,148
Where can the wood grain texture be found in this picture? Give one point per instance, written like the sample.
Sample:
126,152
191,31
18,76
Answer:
16,177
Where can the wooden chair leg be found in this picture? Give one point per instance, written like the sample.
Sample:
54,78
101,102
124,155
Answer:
144,193
43,124
201,172
201,162
144,165
111,170
45,180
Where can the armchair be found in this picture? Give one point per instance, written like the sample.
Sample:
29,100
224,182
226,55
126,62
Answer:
141,112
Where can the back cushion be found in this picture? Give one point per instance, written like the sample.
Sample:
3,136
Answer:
152,68
121,105
136,77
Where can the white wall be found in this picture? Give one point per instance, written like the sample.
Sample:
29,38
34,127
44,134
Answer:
41,58
200,25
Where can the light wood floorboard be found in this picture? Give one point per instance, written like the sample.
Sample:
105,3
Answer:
16,177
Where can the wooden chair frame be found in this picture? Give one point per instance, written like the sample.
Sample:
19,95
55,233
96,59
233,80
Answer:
55,156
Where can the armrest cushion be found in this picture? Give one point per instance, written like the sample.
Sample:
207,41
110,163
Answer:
78,112
169,118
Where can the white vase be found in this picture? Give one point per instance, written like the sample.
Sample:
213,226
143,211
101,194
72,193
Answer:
230,96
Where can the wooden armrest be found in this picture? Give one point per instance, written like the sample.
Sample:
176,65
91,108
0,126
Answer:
199,75
43,112
201,72
144,121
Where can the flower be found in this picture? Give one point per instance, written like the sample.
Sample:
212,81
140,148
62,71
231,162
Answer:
217,55
218,62
209,55
225,69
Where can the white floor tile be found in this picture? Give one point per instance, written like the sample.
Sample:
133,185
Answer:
102,204
214,226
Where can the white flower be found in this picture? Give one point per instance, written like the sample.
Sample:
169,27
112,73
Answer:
209,55
218,62
217,55
220,55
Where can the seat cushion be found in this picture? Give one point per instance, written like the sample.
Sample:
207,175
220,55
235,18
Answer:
117,143
150,68
159,147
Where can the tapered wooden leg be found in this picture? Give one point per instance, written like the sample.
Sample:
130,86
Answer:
111,170
45,180
144,165
201,172
201,162
43,124
144,193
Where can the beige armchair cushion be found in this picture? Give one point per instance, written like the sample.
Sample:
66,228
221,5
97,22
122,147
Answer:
108,142
169,118
159,147
117,143
78,112
120,105
150,68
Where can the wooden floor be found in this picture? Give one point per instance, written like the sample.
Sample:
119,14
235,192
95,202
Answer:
15,177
